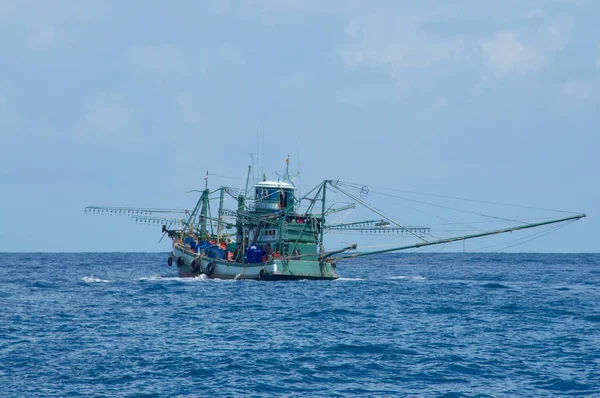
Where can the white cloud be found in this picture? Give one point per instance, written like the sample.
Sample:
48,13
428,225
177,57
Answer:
506,53
578,93
556,35
525,50
398,43
108,118
159,63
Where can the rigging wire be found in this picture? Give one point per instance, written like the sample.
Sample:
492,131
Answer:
522,238
495,221
465,199
372,208
431,249
222,176
450,208
342,217
440,217
529,238
452,222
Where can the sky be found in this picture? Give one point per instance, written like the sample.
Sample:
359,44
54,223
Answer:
130,103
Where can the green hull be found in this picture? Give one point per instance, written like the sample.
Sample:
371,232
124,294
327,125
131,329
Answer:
190,264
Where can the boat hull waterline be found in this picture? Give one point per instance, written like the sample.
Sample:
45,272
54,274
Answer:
190,264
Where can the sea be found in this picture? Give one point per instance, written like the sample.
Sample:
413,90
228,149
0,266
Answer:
395,325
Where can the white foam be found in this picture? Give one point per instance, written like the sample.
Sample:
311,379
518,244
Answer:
350,279
93,279
153,278
199,278
222,280
408,278
158,278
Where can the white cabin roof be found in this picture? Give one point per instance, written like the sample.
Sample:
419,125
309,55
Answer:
274,184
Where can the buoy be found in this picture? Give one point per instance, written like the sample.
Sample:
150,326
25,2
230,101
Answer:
170,261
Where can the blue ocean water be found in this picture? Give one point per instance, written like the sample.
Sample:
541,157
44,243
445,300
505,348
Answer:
450,325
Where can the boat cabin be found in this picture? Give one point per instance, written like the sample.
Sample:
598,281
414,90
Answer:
274,196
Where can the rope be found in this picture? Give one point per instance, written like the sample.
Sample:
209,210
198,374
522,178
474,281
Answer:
359,186
532,237
375,210
451,208
445,207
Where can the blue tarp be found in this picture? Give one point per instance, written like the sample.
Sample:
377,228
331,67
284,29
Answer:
254,255
191,242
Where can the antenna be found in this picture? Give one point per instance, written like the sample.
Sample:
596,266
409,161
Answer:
298,160
287,168
286,176
262,157
252,157
257,158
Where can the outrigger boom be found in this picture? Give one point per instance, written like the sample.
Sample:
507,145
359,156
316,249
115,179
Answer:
464,237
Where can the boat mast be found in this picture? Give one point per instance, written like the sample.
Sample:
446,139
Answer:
247,180
220,222
204,209
322,221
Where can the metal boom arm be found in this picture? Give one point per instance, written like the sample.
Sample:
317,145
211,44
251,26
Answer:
465,237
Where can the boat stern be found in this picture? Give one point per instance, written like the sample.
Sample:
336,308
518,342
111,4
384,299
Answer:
298,269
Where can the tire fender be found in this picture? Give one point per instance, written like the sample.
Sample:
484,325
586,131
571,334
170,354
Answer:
194,267
210,269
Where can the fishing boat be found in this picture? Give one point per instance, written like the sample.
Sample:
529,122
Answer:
272,233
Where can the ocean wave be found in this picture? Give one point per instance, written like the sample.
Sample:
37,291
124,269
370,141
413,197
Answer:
494,286
408,278
592,318
310,338
93,279
44,284
158,278
199,278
